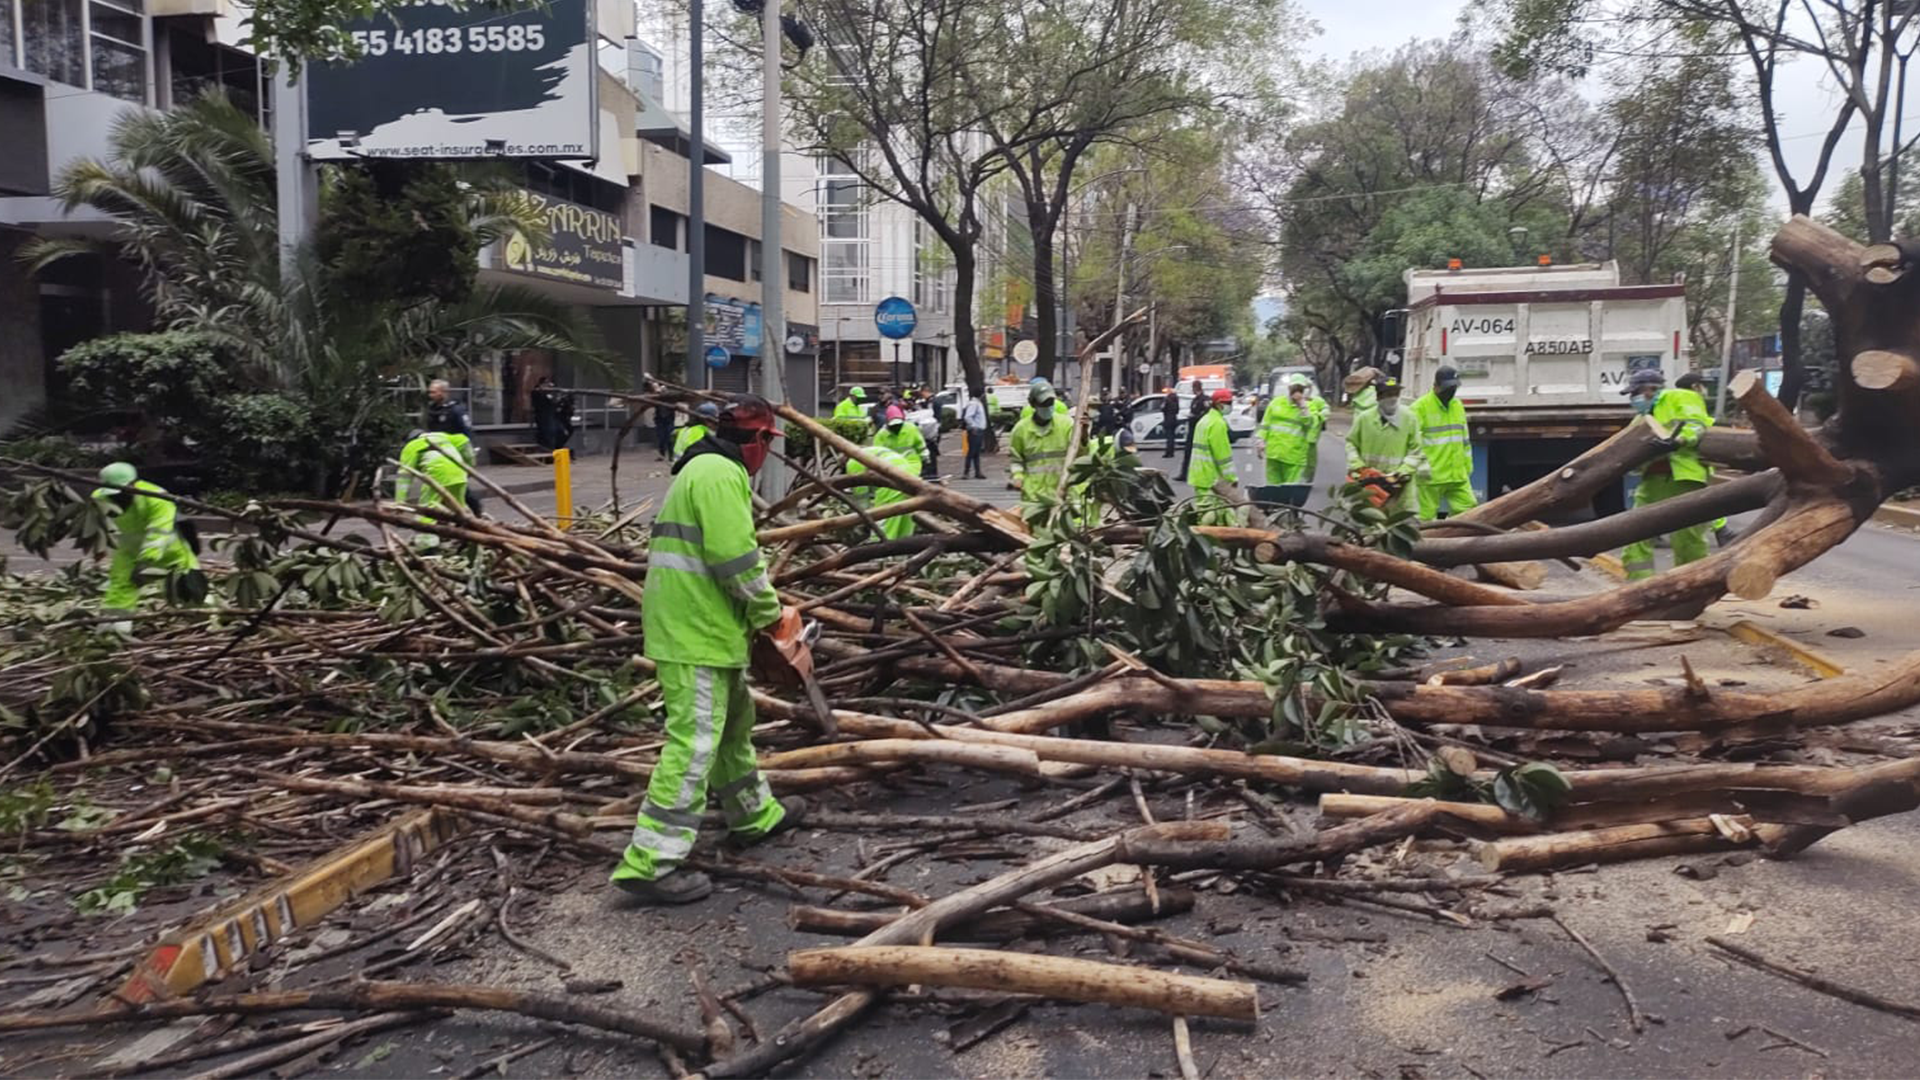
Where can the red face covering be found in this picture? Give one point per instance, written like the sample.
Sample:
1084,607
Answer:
753,447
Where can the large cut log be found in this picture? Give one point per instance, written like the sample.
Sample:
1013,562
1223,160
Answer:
1524,854
1025,973
1009,759
1121,905
1802,533
1761,805
1578,481
920,925
1605,534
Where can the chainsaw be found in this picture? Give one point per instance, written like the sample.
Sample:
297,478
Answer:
790,664
1379,487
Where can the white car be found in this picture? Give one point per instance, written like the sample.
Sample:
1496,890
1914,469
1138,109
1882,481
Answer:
1144,418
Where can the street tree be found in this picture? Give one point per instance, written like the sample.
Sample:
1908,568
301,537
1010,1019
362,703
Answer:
901,95
192,198
1864,46
1083,73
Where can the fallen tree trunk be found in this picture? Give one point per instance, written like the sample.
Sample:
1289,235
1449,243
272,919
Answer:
920,925
1121,906
378,997
1026,973
1780,807
1525,854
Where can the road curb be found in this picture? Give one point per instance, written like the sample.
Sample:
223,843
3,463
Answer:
1904,517
1815,661
215,943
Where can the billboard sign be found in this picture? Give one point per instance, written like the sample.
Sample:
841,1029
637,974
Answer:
894,318
438,82
733,324
583,246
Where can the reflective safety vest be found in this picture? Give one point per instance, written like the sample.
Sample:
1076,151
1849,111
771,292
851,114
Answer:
1036,455
1390,447
1212,453
893,528
688,435
1289,430
1684,414
907,440
706,591
850,409
1443,438
147,538
445,456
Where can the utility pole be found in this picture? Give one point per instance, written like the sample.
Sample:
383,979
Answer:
296,180
1114,382
773,277
696,198
1726,339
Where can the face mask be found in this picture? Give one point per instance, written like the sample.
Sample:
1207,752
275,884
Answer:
1445,393
753,453
1643,405
1043,414
894,425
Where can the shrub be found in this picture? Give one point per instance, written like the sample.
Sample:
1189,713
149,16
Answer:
56,451
170,378
800,443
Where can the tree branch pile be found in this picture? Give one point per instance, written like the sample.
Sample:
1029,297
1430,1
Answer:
334,675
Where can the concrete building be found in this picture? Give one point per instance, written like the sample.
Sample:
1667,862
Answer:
68,68
870,249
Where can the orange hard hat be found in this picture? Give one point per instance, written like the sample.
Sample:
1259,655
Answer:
1223,397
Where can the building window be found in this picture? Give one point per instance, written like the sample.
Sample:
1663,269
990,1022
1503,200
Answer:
845,235
119,50
8,58
726,254
799,273
753,259
663,228
54,40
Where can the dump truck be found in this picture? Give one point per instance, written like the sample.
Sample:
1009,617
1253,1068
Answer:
1544,353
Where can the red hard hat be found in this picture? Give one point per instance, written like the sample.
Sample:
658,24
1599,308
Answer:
1223,397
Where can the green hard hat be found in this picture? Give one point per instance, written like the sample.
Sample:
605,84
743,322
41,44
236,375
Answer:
1297,379
857,393
118,474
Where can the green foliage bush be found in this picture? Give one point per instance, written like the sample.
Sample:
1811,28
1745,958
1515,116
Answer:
799,444
57,451
168,377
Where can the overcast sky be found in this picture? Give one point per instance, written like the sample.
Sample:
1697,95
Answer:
1805,100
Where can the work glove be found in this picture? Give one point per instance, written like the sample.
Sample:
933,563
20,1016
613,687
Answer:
1669,444
788,634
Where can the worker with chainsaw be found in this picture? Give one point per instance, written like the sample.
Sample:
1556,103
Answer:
442,456
1383,449
853,406
1290,431
899,526
1447,475
706,596
1038,447
700,424
148,537
1213,461
1678,472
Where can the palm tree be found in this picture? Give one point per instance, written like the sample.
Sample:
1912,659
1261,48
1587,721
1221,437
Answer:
193,193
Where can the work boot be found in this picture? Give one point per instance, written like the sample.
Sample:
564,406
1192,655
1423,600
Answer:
675,887
795,816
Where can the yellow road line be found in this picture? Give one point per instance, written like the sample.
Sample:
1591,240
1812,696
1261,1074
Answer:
1812,659
223,939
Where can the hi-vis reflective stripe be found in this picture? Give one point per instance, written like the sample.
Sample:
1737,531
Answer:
735,565
673,530
1046,455
1382,462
